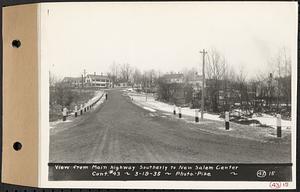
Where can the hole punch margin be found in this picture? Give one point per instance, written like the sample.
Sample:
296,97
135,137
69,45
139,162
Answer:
17,146
16,43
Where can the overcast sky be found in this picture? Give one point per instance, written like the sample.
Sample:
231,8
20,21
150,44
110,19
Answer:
165,36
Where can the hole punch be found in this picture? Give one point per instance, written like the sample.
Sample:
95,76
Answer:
17,146
16,43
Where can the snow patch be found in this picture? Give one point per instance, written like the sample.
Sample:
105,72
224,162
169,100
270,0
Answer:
147,100
149,109
271,121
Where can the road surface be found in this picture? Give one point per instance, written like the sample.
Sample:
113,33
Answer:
120,132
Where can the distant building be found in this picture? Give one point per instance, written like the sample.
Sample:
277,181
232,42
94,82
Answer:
196,82
173,78
88,81
97,81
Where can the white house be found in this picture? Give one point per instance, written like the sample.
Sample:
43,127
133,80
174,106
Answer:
174,78
97,81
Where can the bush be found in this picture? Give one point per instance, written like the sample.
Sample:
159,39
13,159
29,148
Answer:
62,96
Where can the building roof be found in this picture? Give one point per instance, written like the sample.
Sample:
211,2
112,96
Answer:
93,76
173,76
196,78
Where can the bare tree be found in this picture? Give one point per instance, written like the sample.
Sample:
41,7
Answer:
243,89
215,72
137,76
189,74
114,73
282,71
258,86
166,91
152,76
229,92
216,67
126,72
52,79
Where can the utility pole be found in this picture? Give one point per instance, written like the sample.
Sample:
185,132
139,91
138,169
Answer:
203,52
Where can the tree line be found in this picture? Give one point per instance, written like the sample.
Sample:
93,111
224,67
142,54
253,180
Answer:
226,88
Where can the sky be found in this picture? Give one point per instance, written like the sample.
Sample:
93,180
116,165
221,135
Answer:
165,36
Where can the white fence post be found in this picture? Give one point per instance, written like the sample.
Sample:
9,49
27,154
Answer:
65,112
196,115
278,125
76,110
179,112
226,120
174,109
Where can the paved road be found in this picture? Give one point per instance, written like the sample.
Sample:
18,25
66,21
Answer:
119,131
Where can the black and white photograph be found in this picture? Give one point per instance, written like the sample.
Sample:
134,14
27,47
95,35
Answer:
148,86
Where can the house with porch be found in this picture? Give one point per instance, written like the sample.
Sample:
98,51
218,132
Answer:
97,81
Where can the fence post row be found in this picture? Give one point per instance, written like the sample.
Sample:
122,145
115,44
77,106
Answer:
82,109
226,120
278,125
